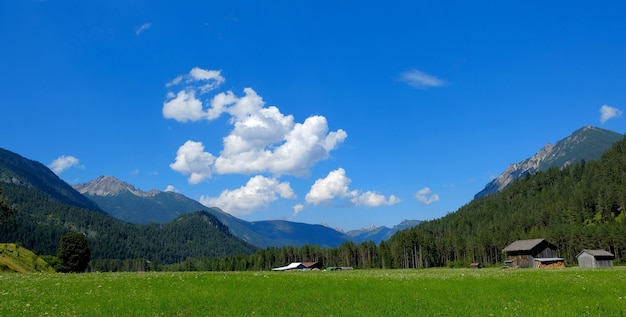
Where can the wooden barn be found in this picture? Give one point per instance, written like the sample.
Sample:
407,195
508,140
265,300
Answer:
595,259
525,253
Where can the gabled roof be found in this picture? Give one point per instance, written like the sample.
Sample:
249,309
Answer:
597,253
525,245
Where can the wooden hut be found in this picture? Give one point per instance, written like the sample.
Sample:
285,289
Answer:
523,253
595,259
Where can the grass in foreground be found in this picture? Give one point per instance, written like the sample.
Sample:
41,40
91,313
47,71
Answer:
431,292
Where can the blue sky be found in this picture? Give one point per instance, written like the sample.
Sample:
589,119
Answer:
350,114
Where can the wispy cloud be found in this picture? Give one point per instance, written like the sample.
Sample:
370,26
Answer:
417,78
336,186
62,163
607,113
296,210
426,196
142,28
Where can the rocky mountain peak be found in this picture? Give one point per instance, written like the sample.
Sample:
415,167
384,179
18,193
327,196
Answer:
587,143
110,186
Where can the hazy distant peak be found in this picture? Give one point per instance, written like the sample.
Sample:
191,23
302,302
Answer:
110,186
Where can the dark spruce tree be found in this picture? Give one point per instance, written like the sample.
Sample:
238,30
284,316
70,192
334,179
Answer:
7,214
74,253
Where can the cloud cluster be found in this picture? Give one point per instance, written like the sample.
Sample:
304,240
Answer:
335,185
62,163
426,196
607,112
262,139
258,192
420,79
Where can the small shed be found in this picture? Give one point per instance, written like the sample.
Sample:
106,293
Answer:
595,259
475,265
523,253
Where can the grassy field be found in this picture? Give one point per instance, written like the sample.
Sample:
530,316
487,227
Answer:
430,292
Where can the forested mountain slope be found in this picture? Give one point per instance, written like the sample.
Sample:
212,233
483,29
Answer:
582,206
46,208
15,169
41,221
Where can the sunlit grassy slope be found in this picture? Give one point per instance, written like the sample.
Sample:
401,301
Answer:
14,258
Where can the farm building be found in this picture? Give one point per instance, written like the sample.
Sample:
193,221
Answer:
537,253
299,266
595,259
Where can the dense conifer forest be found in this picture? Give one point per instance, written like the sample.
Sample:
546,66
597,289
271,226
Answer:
40,221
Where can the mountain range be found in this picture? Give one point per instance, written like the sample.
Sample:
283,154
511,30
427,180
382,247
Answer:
587,143
124,201
123,222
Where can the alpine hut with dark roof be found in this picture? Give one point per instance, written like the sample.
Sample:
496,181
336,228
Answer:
531,253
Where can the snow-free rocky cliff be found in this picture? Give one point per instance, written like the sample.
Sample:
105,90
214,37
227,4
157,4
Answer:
110,186
587,143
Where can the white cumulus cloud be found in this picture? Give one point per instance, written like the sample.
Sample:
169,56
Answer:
192,160
426,196
607,112
170,188
324,190
62,163
258,192
373,199
336,186
262,139
420,79
183,107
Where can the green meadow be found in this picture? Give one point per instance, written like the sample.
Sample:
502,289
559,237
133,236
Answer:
426,292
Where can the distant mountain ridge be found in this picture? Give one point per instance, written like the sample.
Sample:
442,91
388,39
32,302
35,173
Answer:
379,234
110,186
587,143
125,202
